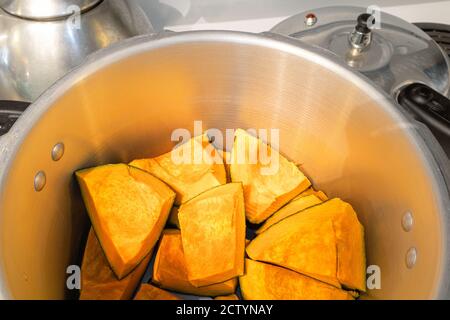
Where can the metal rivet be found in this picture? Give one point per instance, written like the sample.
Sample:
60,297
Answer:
40,179
58,151
310,19
407,221
411,257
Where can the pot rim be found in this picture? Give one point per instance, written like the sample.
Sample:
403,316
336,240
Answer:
426,145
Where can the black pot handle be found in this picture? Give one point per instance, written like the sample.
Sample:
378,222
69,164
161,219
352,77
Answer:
10,111
429,107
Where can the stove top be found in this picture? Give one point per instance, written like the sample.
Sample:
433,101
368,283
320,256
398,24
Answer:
439,33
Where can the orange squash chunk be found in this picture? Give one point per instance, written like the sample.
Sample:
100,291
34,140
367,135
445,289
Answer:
149,292
202,170
294,206
169,270
264,193
128,209
263,281
98,281
325,242
213,234
230,297
311,191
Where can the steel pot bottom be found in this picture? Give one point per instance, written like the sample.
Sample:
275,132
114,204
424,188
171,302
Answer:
126,102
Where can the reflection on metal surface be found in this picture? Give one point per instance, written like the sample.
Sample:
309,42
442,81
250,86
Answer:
399,52
34,54
45,9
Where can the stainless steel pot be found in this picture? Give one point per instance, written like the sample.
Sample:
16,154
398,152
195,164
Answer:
351,138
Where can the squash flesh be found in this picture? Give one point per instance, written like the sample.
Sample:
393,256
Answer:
213,229
205,170
325,242
308,247
169,270
149,292
98,281
128,209
264,194
263,281
294,206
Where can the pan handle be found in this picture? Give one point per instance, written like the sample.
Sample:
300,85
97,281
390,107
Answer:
429,107
10,111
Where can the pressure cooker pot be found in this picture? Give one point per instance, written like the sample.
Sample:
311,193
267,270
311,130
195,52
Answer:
352,138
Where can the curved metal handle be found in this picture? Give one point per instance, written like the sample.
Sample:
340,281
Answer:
10,111
429,107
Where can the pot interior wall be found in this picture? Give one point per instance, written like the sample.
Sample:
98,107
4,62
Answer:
330,122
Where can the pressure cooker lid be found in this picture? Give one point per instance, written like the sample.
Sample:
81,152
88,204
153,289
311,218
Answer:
385,48
46,9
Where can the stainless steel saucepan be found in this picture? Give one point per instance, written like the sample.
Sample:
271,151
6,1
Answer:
352,138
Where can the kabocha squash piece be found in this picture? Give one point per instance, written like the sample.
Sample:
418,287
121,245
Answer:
98,281
173,217
263,281
128,209
264,192
202,170
149,292
169,270
351,268
311,191
213,234
294,206
325,242
308,247
230,297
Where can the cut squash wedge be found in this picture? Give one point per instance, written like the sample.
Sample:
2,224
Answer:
149,292
189,169
266,187
128,209
294,206
169,270
98,281
325,242
213,234
263,281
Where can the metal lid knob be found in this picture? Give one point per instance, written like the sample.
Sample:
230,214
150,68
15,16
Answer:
46,9
361,37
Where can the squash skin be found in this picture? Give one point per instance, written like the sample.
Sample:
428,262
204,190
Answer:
294,206
230,297
325,242
112,189
213,229
149,292
264,194
311,191
98,281
188,180
263,281
169,270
